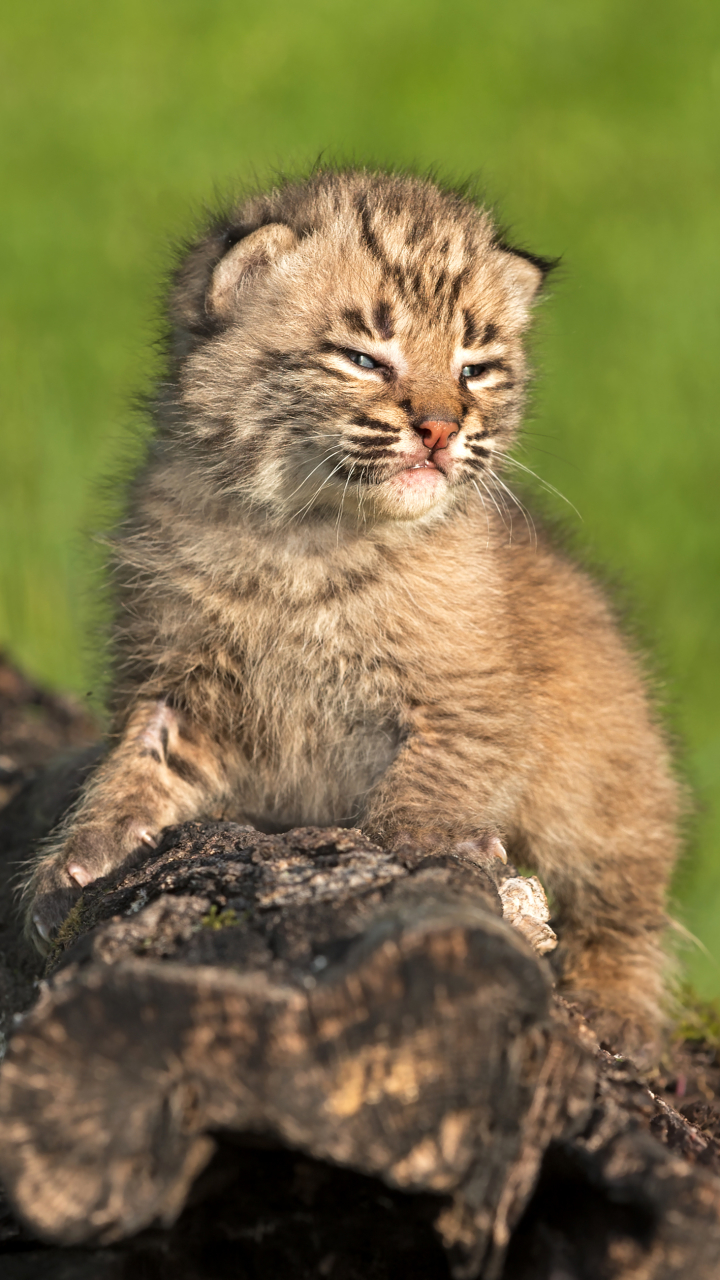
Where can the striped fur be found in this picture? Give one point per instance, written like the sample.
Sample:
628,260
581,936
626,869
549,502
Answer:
312,626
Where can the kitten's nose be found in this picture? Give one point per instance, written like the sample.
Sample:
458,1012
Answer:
436,434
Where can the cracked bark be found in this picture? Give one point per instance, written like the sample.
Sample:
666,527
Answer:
300,1055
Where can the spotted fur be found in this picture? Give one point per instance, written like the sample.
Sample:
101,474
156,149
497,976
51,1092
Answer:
314,626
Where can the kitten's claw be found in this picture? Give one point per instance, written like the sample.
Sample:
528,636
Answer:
479,850
40,927
80,874
497,849
48,912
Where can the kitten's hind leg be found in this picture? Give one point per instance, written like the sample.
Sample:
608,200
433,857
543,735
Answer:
610,890
164,770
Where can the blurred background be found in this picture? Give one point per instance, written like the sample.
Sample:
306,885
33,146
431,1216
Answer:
593,126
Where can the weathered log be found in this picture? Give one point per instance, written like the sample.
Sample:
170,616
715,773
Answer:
310,988
324,1060
36,727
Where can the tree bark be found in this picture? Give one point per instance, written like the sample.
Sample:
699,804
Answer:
333,1060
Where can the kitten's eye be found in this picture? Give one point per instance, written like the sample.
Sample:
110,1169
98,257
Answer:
471,371
365,362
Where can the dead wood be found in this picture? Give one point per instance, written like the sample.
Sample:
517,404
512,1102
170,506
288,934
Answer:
309,988
301,1055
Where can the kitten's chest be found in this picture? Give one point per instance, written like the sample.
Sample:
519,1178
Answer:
323,706
313,665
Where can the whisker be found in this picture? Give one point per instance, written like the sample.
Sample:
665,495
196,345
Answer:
545,435
487,518
513,462
361,494
319,489
333,453
528,518
342,502
500,510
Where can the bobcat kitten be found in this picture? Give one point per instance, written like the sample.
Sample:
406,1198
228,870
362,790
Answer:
320,615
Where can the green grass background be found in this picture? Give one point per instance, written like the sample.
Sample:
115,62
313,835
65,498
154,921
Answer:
594,125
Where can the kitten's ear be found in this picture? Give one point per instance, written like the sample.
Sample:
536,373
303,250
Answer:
248,256
525,272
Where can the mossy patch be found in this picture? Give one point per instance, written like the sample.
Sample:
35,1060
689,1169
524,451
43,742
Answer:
219,919
699,1019
76,922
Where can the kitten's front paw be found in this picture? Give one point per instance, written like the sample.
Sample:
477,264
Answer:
412,847
90,852
52,901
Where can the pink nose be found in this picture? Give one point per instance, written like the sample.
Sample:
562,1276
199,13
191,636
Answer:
436,434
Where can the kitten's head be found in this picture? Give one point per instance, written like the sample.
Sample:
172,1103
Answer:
351,347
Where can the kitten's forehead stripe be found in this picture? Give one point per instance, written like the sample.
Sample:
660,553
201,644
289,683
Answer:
440,282
457,285
407,282
418,284
383,319
370,239
355,321
469,330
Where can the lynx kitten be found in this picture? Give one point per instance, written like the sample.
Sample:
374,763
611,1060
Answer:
320,615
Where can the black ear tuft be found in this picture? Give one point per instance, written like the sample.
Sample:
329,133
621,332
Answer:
543,266
526,274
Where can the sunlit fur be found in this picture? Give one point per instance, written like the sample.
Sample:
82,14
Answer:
312,629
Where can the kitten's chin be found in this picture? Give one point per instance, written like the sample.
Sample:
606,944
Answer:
411,493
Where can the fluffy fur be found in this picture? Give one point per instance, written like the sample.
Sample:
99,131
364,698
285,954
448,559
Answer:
320,616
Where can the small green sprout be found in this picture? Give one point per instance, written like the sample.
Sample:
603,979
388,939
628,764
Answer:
217,919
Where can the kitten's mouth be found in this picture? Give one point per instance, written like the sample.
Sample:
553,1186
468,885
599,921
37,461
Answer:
429,471
416,487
